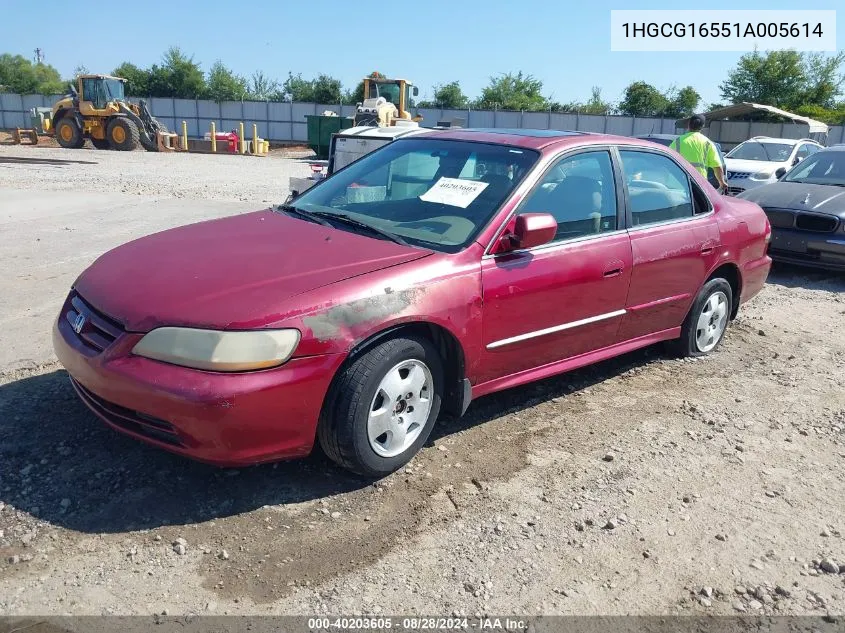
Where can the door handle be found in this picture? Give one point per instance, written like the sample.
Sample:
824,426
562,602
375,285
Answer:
708,247
613,272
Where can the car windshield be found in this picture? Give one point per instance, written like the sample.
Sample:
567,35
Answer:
822,168
437,194
755,150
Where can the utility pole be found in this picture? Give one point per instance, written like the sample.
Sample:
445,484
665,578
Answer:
39,56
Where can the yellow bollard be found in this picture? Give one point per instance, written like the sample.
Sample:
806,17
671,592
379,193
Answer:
243,141
185,135
213,137
255,149
265,147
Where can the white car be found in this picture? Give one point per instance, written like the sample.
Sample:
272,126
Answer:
763,160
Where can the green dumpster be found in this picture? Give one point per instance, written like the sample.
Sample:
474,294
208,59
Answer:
320,130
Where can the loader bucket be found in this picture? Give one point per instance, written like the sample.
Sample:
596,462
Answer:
19,135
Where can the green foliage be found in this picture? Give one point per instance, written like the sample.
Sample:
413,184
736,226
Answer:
448,95
262,88
18,74
643,99
177,76
137,80
224,85
511,91
785,79
831,116
326,89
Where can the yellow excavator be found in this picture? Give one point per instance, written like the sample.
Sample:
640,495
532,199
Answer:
385,101
96,108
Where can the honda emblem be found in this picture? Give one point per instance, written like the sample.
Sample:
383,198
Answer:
79,323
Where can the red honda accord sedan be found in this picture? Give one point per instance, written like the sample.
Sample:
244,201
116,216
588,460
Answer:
435,270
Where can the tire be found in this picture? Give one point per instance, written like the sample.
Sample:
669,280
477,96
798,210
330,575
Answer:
100,143
371,383
708,319
122,134
68,134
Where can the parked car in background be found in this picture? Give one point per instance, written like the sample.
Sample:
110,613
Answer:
666,140
432,271
762,160
806,209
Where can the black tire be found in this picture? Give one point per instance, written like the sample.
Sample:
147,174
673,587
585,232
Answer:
122,134
343,428
100,143
690,343
68,134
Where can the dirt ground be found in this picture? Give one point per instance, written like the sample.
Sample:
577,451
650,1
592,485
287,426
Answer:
643,485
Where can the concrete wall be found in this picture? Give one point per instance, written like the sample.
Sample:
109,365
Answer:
286,121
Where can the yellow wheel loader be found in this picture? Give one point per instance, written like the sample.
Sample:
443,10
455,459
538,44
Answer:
385,101
96,108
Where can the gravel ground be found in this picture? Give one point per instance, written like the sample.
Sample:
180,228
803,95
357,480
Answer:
643,485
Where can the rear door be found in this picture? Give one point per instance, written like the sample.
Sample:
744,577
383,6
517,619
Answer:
567,297
674,240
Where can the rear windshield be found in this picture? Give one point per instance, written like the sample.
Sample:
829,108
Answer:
433,193
755,150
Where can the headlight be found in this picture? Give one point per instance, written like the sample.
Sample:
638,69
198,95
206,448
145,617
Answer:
763,175
215,350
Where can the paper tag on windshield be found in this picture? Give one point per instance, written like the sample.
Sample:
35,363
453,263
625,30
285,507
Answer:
455,192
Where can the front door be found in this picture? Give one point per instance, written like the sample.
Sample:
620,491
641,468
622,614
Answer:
565,298
675,241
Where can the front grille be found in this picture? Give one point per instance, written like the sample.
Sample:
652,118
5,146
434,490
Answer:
780,219
97,331
129,420
732,175
800,221
817,223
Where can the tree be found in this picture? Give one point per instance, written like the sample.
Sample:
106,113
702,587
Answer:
681,103
224,85
785,79
513,92
298,89
597,105
137,80
643,99
177,76
81,69
18,74
448,95
326,89
262,88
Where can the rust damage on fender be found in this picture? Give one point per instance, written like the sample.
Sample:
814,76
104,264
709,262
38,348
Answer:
346,316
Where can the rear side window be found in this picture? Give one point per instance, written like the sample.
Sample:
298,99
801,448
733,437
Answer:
658,189
580,193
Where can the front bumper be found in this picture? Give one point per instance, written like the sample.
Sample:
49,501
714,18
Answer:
222,419
804,248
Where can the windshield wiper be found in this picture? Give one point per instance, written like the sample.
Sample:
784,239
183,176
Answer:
350,221
307,215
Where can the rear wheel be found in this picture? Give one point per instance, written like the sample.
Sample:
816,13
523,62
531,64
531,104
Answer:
382,407
122,134
68,133
705,325
100,143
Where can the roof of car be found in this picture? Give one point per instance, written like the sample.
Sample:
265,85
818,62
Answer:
529,138
663,136
838,147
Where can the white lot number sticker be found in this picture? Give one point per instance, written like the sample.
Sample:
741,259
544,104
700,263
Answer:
455,192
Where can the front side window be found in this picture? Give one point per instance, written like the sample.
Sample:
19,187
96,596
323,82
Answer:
433,193
658,188
580,193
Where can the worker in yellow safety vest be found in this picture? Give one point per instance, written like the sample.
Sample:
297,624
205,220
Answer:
700,150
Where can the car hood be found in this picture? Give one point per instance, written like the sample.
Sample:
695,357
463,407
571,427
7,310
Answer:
234,273
801,196
752,166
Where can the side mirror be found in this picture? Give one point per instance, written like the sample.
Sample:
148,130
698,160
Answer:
416,91
780,172
797,160
529,230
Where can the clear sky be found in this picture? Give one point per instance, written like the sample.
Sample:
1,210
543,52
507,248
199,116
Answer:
566,44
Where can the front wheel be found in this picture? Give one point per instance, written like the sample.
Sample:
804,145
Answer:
382,407
122,134
705,325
